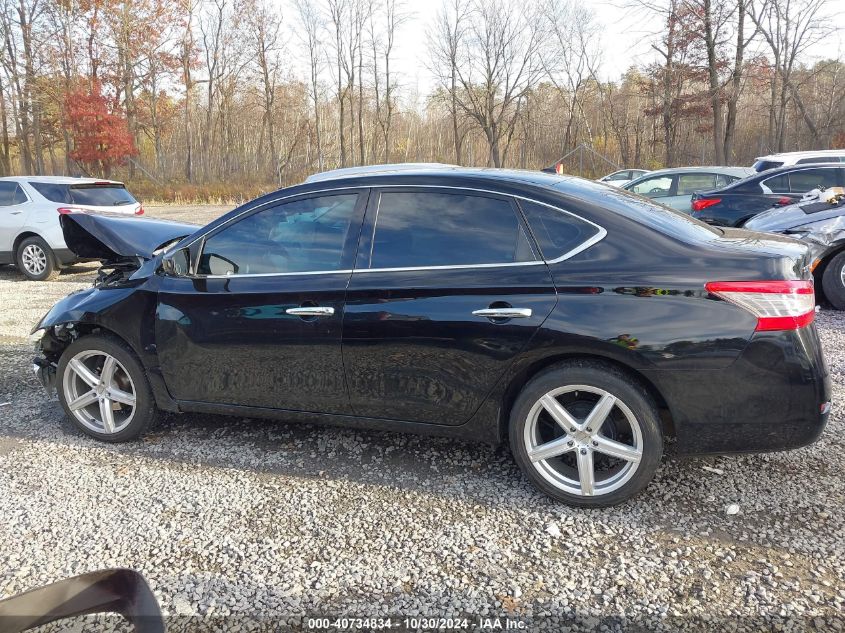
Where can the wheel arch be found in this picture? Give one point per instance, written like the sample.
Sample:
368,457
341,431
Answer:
27,234
516,384
820,269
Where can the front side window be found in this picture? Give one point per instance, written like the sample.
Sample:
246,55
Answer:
657,187
557,233
808,179
424,229
305,235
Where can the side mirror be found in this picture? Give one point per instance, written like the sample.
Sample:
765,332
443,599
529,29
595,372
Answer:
177,263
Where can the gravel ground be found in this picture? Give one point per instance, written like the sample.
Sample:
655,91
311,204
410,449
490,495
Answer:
235,521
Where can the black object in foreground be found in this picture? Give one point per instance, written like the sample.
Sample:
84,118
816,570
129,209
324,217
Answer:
121,591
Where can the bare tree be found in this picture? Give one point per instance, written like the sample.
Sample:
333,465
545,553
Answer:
497,65
790,27
312,25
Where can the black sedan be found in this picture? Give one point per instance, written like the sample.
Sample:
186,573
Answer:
737,203
583,323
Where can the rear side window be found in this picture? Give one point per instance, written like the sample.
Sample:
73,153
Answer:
690,183
11,194
52,191
424,229
807,179
776,184
557,232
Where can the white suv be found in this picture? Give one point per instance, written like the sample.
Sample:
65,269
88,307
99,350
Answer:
30,206
764,163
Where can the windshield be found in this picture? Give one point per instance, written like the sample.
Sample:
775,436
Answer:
89,194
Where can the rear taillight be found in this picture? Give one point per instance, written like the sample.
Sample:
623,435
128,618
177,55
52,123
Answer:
703,203
778,305
66,210
140,211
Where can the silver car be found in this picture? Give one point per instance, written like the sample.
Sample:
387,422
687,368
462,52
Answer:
674,186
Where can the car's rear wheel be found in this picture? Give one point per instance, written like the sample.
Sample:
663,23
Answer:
104,390
833,281
35,259
586,434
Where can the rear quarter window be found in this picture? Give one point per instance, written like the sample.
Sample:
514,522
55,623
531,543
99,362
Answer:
557,232
52,191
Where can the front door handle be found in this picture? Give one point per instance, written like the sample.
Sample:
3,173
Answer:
310,311
503,313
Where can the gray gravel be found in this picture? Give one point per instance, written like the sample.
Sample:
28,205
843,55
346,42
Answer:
235,520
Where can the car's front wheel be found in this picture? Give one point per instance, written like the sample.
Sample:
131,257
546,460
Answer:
833,281
35,259
586,434
104,390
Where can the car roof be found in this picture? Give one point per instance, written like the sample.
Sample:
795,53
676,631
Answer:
789,168
365,170
60,180
818,152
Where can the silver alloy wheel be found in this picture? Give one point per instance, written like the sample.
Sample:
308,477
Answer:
583,436
34,259
842,274
99,391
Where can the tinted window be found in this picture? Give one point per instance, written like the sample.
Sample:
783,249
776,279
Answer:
52,191
690,183
776,184
11,194
723,180
300,236
807,179
620,175
656,187
101,195
91,195
763,165
439,229
556,232
821,159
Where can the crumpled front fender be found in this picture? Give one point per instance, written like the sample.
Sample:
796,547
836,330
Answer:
85,306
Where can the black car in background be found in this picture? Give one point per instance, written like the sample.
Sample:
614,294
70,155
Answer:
735,204
582,323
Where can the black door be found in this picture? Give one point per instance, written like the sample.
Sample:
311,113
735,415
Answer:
448,288
259,324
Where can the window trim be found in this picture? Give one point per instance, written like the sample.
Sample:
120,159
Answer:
598,237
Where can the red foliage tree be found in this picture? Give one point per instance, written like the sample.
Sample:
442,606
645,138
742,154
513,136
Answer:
101,137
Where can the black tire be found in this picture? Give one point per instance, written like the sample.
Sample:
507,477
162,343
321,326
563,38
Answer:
603,378
145,411
833,281
43,266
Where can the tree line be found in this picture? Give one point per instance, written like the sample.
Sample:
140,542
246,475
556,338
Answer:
254,93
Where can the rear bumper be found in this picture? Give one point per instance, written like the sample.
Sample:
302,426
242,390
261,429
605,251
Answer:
776,396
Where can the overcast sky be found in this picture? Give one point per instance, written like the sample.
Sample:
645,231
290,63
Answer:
625,41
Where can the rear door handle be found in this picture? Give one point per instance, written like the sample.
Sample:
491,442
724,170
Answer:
310,311
503,313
